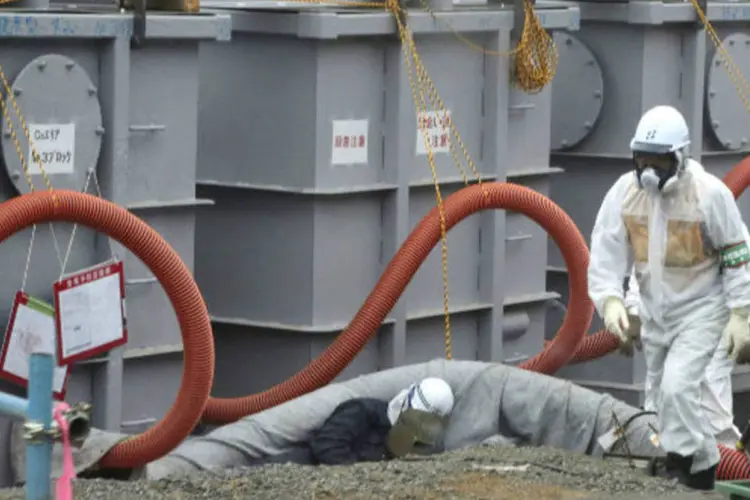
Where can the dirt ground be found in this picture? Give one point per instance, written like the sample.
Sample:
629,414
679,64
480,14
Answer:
484,473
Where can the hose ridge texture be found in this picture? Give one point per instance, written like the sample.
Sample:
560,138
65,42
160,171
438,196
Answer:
401,270
198,371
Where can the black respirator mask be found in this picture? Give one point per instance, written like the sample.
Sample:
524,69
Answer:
655,171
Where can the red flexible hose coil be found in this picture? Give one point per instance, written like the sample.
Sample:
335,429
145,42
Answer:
197,376
401,270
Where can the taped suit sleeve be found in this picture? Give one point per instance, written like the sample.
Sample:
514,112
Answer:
611,257
335,442
729,236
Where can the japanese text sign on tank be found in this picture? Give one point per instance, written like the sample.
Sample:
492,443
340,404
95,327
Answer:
31,328
90,311
437,125
350,142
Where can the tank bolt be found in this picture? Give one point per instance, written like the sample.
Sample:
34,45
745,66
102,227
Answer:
92,91
715,124
15,175
70,65
17,92
41,65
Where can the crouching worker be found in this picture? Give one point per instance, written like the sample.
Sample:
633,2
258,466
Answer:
369,429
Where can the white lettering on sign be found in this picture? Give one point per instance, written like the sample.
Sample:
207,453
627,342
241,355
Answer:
350,142
56,147
437,125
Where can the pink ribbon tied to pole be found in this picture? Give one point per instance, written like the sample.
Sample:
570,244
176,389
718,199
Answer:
64,487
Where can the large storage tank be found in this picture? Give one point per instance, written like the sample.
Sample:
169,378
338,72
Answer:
133,115
626,58
299,232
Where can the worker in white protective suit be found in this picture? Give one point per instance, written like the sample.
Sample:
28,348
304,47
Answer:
680,227
716,389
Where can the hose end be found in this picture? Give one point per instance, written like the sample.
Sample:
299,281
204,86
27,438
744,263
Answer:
79,422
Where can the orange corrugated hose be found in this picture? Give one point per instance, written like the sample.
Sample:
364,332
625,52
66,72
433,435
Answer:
195,325
106,217
401,270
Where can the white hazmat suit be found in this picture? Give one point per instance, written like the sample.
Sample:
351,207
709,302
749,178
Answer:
680,227
716,388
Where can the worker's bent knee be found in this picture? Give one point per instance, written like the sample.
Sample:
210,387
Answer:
680,388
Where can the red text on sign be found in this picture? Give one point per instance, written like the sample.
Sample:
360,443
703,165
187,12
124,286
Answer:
349,141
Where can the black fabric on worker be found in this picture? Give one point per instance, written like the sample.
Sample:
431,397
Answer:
678,467
356,431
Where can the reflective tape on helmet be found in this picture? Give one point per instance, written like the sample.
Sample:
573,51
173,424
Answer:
735,255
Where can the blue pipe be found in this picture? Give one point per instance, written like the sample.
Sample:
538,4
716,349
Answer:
13,405
39,451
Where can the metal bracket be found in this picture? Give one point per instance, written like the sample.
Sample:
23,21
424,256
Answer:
79,413
34,432
139,23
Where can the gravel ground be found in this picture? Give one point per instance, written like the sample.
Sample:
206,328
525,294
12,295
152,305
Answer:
487,473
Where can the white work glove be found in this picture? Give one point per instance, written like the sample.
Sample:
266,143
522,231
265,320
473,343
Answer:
616,320
737,336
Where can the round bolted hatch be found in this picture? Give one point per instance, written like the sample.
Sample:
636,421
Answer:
728,115
577,92
59,105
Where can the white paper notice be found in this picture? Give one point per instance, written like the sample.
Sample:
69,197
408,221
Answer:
33,331
56,146
437,125
90,315
350,142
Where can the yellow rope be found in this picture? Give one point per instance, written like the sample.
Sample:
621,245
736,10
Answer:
535,54
535,60
738,79
418,95
35,156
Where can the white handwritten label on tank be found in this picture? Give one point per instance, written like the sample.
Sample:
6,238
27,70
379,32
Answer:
437,125
55,145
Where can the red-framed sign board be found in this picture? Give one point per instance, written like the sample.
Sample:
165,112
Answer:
31,328
90,312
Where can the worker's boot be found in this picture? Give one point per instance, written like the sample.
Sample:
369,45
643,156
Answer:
678,467
703,480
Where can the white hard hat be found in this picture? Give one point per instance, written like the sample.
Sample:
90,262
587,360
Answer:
661,130
432,395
